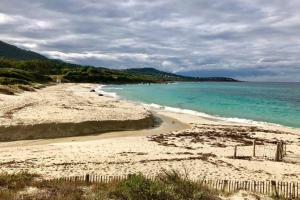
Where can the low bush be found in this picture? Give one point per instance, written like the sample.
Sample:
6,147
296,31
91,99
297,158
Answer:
12,81
6,90
16,76
15,182
167,186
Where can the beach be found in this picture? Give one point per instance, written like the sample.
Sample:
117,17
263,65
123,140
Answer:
107,136
67,110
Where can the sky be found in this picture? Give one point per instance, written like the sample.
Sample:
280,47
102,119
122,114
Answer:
256,40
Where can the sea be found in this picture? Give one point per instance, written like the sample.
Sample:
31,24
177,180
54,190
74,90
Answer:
249,102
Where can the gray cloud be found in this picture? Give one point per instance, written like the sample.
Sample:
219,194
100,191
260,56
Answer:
253,39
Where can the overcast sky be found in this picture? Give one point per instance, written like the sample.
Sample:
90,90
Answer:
247,39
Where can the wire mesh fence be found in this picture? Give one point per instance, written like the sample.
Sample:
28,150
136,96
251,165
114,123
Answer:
265,151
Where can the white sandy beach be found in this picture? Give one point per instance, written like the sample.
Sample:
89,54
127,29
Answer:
67,110
200,146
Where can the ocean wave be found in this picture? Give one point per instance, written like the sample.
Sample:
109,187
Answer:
115,88
99,90
201,114
188,111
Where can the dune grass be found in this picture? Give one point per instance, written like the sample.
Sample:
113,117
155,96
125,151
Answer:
167,186
17,88
13,81
4,89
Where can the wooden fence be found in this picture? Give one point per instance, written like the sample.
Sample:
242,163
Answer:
275,152
286,190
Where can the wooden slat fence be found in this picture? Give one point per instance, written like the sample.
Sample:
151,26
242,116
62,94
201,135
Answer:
287,190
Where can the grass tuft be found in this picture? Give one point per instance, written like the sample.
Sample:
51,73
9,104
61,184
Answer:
15,182
6,90
168,185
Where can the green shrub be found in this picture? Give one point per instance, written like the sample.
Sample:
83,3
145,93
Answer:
60,190
26,88
16,181
14,76
12,81
138,187
167,186
6,90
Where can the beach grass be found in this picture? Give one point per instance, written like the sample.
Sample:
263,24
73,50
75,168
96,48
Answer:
16,88
4,89
12,89
168,185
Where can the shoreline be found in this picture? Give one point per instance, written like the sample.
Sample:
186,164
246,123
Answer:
181,142
190,114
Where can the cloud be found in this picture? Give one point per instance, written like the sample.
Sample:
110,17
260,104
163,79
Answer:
6,19
196,36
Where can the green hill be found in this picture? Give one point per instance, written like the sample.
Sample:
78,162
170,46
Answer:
17,76
18,66
161,74
12,52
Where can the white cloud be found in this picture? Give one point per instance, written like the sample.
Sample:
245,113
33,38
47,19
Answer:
6,19
76,56
167,63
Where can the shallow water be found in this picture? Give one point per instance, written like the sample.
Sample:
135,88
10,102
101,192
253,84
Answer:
277,103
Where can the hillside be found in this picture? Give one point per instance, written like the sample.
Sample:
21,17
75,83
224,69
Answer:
160,74
153,71
18,66
216,79
18,76
12,52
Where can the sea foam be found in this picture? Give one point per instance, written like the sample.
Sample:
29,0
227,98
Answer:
106,94
185,111
201,114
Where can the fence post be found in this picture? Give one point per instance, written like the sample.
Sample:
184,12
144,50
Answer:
87,178
254,145
274,188
294,190
277,155
281,149
234,153
285,149
225,185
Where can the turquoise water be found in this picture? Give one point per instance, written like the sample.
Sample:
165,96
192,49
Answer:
267,102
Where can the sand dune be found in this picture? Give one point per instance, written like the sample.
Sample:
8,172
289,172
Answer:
67,110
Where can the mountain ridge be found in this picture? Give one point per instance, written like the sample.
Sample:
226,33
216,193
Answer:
14,61
13,52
